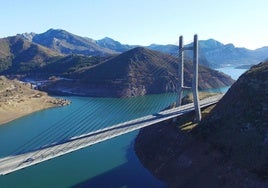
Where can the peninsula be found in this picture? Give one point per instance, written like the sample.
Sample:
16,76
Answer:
18,99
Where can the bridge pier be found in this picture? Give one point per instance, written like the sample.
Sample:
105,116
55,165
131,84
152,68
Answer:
194,86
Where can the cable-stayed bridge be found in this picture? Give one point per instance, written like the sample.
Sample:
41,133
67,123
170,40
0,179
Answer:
59,139
23,160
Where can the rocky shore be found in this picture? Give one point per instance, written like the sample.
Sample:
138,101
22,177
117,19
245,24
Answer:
18,99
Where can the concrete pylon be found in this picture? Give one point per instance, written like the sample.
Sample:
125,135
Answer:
194,86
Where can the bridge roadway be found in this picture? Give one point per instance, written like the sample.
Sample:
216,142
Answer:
13,163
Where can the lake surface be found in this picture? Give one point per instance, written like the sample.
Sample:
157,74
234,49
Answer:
112,163
233,72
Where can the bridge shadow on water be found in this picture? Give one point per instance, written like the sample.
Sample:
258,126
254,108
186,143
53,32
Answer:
128,175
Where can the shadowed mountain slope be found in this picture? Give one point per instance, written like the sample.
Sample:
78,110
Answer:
242,117
137,72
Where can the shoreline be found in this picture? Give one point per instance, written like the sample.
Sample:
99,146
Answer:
18,99
15,111
8,114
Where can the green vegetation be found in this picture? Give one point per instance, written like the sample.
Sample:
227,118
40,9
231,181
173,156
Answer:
21,57
70,64
186,122
4,64
18,56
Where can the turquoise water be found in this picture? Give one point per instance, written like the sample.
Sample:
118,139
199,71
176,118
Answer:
112,163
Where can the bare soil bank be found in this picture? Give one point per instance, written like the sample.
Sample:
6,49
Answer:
18,99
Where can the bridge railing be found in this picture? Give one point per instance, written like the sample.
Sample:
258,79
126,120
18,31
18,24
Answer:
16,162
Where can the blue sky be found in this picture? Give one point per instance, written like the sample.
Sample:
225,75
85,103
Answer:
241,22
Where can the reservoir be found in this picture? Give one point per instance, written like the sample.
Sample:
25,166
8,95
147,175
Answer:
232,71
112,163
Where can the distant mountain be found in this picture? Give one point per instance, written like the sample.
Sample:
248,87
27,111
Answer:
68,43
136,72
18,55
169,49
219,54
174,51
216,53
114,45
262,52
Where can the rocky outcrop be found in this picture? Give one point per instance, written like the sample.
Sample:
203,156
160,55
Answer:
228,149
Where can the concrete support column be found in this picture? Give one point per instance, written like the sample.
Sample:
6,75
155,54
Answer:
180,71
195,80
194,86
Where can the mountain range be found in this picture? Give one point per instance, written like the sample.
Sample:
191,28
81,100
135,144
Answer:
102,67
67,43
216,53
20,55
136,72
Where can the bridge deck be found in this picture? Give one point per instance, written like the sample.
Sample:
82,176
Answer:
13,163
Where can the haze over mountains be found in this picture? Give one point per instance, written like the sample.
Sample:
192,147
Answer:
216,53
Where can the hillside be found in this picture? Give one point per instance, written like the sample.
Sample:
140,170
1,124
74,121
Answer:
245,122
18,55
18,99
69,64
228,149
136,72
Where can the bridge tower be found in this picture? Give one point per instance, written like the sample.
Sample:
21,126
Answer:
194,86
